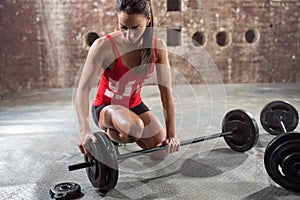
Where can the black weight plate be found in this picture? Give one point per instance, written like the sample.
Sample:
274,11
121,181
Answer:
105,162
103,174
104,150
275,111
291,165
68,190
96,172
282,161
110,180
244,128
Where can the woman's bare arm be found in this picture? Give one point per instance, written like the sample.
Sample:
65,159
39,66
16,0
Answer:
91,70
165,87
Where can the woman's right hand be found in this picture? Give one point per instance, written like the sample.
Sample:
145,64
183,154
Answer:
83,144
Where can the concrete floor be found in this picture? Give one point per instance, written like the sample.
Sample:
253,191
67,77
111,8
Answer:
39,132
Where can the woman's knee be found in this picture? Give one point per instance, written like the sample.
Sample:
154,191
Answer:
127,122
133,128
129,125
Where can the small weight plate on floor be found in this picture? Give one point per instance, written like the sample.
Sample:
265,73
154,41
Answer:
65,191
103,174
277,111
282,160
244,128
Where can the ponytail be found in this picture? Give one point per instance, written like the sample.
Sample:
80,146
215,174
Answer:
148,50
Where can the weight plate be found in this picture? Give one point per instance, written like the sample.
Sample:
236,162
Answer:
244,127
277,111
104,150
103,174
110,180
290,165
65,191
282,160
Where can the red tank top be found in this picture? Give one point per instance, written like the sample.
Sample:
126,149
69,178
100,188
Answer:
120,85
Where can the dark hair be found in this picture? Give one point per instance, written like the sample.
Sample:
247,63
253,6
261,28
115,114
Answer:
143,7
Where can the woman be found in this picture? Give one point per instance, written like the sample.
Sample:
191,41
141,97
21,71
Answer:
126,58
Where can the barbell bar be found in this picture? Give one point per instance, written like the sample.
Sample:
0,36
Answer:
150,150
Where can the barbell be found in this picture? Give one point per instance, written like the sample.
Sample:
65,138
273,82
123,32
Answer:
239,130
282,154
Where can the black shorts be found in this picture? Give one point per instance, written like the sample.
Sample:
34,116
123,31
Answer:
139,109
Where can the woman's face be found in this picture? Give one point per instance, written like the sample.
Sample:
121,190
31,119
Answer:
132,26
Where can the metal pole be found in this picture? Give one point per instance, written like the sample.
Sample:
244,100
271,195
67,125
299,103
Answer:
282,126
183,143
81,165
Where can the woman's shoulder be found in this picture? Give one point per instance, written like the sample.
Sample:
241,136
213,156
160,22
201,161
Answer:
161,51
103,42
161,48
102,48
99,43
115,34
160,44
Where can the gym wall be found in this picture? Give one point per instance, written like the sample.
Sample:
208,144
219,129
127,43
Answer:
43,42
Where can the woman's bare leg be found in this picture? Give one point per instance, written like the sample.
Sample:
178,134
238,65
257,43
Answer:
121,124
153,134
124,126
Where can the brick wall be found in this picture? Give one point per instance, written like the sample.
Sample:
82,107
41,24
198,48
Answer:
42,41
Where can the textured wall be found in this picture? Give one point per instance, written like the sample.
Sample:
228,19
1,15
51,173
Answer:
42,41
273,57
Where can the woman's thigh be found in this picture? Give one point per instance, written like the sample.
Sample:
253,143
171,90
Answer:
119,122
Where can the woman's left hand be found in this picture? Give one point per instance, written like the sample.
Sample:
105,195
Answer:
172,144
